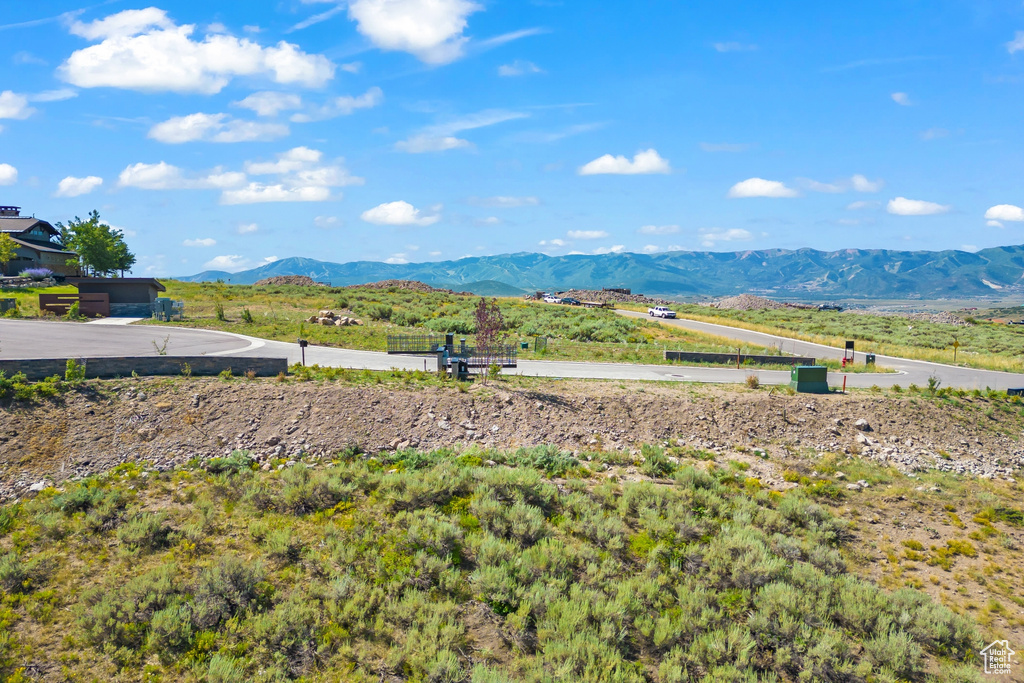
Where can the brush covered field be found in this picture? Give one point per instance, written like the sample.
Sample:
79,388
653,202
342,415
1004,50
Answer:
474,565
573,332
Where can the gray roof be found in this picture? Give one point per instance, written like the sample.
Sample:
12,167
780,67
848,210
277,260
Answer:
54,248
23,223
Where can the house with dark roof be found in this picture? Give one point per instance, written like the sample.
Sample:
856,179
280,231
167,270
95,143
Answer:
38,244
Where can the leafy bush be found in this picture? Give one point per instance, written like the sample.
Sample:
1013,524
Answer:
36,274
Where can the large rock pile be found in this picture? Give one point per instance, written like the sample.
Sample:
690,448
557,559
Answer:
411,285
605,296
747,302
330,318
298,280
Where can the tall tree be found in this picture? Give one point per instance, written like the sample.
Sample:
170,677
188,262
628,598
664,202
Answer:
101,249
8,250
490,331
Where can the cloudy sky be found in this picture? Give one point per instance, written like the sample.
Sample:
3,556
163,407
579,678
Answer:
224,135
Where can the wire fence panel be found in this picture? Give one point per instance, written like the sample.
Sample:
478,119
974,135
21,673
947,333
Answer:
414,343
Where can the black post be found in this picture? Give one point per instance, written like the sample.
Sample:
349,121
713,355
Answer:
302,348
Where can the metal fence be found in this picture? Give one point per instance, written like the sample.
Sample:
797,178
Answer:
414,343
504,355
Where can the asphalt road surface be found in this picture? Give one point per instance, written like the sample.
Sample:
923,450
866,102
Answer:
49,339
907,371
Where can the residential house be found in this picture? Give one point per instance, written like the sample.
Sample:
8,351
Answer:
38,244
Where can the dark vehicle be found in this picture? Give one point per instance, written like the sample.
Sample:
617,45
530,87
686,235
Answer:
829,307
570,301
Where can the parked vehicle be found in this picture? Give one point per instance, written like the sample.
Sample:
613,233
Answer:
661,312
829,307
551,299
568,300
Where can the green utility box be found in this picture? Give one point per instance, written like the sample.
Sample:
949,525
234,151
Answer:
869,359
809,379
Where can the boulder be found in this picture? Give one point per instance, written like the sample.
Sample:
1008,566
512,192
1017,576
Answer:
862,425
326,314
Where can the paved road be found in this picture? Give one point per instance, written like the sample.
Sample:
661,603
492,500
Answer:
52,339
39,339
908,371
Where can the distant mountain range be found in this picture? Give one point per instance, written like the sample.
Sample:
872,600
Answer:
796,274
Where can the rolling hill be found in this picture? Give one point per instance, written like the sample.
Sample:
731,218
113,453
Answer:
798,274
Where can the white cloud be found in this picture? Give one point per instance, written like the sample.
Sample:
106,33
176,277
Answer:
398,213
519,68
145,50
418,144
504,202
586,234
934,134
351,67
901,206
973,248
857,206
1005,212
442,136
1017,44
294,159
341,106
53,95
901,98
201,242
8,174
234,263
435,253
24,57
651,249
616,249
247,228
429,29
327,222
259,193
994,224
214,128
714,235
397,259
734,47
74,187
658,229
164,176
490,220
268,103
14,106
723,147
862,184
759,187
553,243
815,186
647,161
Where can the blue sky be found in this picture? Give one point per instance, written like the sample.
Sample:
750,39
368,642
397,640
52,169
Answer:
224,135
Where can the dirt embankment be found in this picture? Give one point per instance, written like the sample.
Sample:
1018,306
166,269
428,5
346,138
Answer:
168,423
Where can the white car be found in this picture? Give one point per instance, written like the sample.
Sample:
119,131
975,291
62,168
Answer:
552,299
661,312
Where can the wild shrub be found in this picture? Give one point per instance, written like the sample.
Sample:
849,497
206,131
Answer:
656,463
224,590
238,461
145,532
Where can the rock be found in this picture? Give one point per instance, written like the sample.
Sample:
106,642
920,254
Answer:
863,440
862,425
37,487
863,484
141,396
490,463
402,445
147,433
853,487
840,475
325,314
273,441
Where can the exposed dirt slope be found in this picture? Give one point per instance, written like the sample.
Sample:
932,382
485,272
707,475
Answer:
168,422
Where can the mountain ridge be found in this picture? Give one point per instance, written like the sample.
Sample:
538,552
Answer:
787,273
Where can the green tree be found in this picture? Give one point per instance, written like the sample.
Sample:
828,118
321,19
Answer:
8,250
101,249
